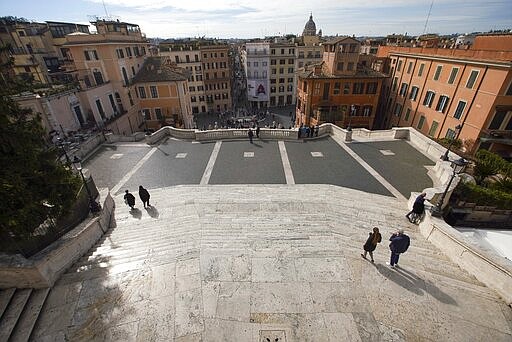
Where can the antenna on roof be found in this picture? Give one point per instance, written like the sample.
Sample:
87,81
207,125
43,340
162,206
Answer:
428,16
105,8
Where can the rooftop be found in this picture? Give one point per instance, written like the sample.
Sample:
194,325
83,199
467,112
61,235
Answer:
160,69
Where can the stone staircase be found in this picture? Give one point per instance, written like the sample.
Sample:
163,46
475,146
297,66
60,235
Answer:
169,248
19,309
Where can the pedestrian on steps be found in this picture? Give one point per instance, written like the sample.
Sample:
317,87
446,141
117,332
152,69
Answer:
144,196
373,239
129,199
399,244
258,132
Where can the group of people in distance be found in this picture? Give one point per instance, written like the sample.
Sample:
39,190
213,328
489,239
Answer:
129,199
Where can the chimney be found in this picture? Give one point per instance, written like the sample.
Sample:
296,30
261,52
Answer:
318,70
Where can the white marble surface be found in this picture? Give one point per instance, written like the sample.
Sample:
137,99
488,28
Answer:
246,263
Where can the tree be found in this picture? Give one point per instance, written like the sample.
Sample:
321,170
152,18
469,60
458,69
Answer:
33,182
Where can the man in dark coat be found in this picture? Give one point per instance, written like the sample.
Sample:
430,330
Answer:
129,199
258,132
250,134
399,244
144,196
418,207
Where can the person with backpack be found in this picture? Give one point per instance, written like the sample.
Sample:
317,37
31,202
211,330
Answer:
129,199
371,243
399,244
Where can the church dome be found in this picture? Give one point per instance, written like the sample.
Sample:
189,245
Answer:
310,28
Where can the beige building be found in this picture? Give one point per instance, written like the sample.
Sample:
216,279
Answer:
186,54
162,91
282,74
104,64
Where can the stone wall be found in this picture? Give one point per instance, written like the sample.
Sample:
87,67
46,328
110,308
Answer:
44,268
492,270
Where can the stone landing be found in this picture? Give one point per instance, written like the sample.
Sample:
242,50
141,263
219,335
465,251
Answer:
266,263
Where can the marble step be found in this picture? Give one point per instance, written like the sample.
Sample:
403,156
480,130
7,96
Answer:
5,298
28,317
13,312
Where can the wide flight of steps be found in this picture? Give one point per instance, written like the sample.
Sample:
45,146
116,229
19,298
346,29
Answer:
186,221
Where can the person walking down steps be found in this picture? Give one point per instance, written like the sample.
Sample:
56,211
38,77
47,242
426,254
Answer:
373,239
129,199
144,196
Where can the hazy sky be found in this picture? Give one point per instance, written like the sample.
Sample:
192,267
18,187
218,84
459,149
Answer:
258,18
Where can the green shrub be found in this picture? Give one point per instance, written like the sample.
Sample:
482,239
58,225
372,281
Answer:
457,143
489,164
483,196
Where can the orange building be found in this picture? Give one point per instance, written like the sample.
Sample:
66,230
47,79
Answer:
436,90
340,89
162,91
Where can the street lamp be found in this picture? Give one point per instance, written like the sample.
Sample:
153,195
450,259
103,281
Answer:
458,166
444,157
93,205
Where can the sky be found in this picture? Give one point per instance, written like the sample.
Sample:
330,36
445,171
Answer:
260,18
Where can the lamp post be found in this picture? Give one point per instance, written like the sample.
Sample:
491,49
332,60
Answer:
93,205
458,166
444,157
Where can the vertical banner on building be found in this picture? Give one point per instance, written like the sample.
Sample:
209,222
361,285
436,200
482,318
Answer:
258,90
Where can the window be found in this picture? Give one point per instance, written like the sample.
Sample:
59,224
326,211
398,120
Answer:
340,66
87,57
193,99
273,62
346,88
403,89
450,134
398,109
98,77
120,53
433,128
128,51
358,88
371,87
248,64
154,93
290,61
191,88
429,98
472,79
281,70
421,122
290,70
263,63
367,111
100,109
498,119
273,81
414,93
407,114
509,90
420,70
290,79
317,89
438,72
158,113
460,109
399,67
337,88
350,66
453,75
95,54
142,92
395,82
282,61
409,68
442,103
281,80
272,89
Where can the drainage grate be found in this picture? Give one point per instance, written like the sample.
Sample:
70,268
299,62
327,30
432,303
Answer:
272,336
